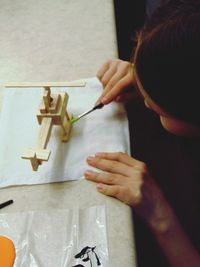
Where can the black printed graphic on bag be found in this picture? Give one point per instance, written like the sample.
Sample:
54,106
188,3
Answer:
88,256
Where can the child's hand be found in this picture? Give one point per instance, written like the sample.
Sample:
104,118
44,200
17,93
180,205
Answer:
128,180
123,176
117,77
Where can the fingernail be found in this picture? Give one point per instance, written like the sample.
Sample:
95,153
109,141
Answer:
98,154
88,173
90,158
104,100
97,102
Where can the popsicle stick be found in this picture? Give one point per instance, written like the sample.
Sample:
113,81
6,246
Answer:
80,83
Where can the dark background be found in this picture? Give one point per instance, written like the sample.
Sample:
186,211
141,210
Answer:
129,17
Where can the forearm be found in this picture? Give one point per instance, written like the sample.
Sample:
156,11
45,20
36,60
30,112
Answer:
174,243
128,180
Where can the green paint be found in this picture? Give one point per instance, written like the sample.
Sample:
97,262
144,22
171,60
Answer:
74,120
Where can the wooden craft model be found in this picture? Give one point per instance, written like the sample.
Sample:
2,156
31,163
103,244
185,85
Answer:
52,111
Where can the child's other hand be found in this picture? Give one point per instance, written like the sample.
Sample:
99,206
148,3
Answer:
128,180
117,77
122,177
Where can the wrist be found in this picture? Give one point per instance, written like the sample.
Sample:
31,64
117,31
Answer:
155,209
162,219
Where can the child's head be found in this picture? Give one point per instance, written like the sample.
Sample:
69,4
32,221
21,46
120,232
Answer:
167,59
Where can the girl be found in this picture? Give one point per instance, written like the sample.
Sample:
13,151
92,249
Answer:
164,69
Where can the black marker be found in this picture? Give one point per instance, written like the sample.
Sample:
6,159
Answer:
4,204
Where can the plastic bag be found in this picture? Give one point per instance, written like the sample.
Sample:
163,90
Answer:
58,238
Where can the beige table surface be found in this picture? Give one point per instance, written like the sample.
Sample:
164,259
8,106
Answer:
47,40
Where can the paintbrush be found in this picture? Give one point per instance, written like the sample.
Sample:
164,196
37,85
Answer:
100,105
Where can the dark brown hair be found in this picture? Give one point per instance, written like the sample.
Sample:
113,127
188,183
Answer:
167,58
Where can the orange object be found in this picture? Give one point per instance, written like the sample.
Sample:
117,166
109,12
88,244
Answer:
7,252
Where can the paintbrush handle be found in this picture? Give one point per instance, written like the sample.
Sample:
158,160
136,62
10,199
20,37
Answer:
87,112
100,105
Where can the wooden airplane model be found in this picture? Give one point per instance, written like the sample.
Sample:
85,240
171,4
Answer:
52,111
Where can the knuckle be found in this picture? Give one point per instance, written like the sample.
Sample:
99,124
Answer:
125,65
110,61
119,155
98,161
99,74
98,177
112,165
137,197
114,61
134,198
117,192
143,167
110,179
110,84
104,81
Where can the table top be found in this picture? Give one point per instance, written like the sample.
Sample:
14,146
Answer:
63,40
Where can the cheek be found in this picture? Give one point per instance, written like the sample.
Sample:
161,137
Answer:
147,104
172,127
164,124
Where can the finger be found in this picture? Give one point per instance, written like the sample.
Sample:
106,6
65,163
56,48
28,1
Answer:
130,95
113,89
108,75
112,75
103,69
126,97
120,157
114,191
106,178
110,166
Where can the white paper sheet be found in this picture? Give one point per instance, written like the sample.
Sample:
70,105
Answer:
101,130
53,238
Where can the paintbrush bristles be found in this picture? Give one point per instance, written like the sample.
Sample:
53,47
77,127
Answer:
87,112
